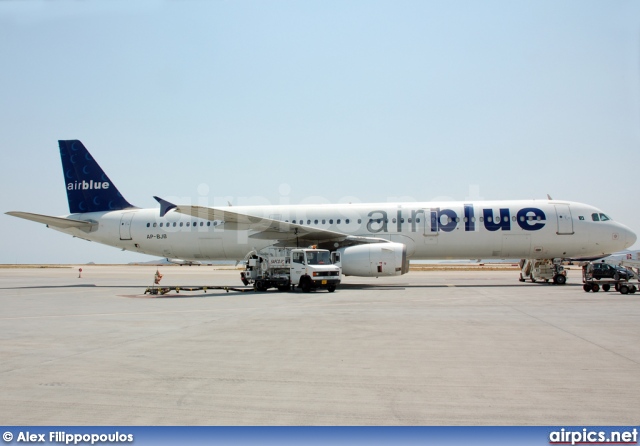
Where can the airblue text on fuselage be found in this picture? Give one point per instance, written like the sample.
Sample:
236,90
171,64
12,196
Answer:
447,220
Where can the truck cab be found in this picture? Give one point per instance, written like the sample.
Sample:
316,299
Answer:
313,268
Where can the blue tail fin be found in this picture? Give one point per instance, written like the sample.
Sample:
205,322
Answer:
89,189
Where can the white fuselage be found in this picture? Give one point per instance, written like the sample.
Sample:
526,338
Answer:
538,229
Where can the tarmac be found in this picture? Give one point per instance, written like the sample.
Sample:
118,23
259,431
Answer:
426,348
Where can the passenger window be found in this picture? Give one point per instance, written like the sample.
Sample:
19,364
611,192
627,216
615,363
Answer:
359,221
338,221
174,224
161,224
331,221
308,222
148,224
347,221
180,224
315,222
595,217
188,223
324,221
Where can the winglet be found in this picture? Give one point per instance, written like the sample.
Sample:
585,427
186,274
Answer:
549,197
165,206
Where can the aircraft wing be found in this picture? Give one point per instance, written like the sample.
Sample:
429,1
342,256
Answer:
58,222
265,228
269,229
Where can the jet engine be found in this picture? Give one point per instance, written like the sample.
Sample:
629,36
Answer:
374,260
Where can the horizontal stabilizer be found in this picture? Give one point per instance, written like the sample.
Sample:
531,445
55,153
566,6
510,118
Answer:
58,222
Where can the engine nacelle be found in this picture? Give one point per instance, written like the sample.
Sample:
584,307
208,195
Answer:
374,260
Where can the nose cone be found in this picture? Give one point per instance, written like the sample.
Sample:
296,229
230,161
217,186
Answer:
630,237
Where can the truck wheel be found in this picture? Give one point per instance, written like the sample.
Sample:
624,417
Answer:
586,287
260,286
331,288
606,287
305,285
624,289
532,279
559,279
284,288
595,288
521,279
633,289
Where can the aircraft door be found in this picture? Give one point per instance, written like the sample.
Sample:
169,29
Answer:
125,225
430,226
565,222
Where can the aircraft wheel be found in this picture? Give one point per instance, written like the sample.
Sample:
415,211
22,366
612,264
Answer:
586,287
595,287
559,279
606,287
624,289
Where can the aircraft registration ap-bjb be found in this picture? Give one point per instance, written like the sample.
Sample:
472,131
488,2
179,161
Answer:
373,239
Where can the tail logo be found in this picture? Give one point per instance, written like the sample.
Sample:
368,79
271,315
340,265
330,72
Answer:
91,185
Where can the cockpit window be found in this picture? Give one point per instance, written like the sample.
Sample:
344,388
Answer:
595,217
604,217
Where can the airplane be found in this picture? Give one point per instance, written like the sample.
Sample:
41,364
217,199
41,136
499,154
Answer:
183,262
369,240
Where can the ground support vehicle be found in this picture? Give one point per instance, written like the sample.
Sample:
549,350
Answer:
542,270
597,275
287,268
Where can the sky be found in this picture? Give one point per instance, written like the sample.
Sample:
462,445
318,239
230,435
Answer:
270,102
